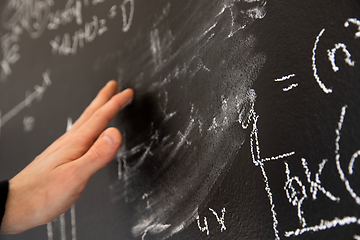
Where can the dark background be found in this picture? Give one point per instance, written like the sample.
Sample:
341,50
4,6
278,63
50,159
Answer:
302,120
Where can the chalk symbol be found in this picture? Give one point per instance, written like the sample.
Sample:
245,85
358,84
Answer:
220,220
316,76
356,22
284,78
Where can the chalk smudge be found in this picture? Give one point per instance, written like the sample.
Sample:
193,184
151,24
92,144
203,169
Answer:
170,157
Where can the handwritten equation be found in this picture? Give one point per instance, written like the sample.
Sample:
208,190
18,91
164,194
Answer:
36,16
296,190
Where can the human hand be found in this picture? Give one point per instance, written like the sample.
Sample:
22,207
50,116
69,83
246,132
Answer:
50,184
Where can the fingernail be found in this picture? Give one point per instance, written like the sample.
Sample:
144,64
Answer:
129,100
109,139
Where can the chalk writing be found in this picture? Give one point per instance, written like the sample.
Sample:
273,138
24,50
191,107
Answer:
352,162
337,157
37,94
31,15
112,12
29,123
62,227
61,220
220,220
284,78
258,161
292,86
50,233
10,48
205,228
247,15
69,45
183,137
317,78
293,194
73,10
316,185
324,224
285,155
356,22
331,56
127,18
295,189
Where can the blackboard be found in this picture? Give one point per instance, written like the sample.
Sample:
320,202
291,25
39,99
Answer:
245,122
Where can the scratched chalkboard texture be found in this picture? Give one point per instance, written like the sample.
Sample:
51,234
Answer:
245,122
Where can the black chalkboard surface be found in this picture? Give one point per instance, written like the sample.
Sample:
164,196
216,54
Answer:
245,123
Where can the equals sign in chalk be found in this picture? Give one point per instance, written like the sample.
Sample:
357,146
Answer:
284,78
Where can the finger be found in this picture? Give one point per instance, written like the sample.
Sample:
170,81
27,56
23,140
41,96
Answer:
73,146
92,128
105,94
100,154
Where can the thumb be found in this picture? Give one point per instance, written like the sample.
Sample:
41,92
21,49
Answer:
101,152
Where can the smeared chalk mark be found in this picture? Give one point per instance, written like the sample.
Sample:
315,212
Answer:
337,156
154,228
292,86
352,162
205,228
183,137
284,78
356,22
321,84
331,56
146,197
256,12
221,220
316,185
292,196
324,225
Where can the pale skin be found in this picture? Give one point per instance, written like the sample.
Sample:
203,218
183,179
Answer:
51,183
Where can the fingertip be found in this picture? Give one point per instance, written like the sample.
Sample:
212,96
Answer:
129,92
128,96
111,82
112,136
